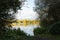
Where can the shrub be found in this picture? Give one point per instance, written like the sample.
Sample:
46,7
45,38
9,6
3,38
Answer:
55,28
40,31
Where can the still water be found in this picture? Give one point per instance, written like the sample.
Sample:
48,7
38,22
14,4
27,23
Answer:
28,13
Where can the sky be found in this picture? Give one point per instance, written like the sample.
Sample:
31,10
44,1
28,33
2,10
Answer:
27,13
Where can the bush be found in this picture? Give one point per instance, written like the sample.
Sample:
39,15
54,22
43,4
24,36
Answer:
12,34
40,31
55,28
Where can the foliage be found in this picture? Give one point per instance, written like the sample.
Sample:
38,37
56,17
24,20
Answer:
55,28
6,7
38,31
54,18
49,11
54,13
44,23
53,10
9,34
7,10
40,8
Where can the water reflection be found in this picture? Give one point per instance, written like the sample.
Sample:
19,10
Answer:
27,13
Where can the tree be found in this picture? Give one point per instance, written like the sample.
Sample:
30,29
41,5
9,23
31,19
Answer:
53,18
48,11
54,12
6,7
42,9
